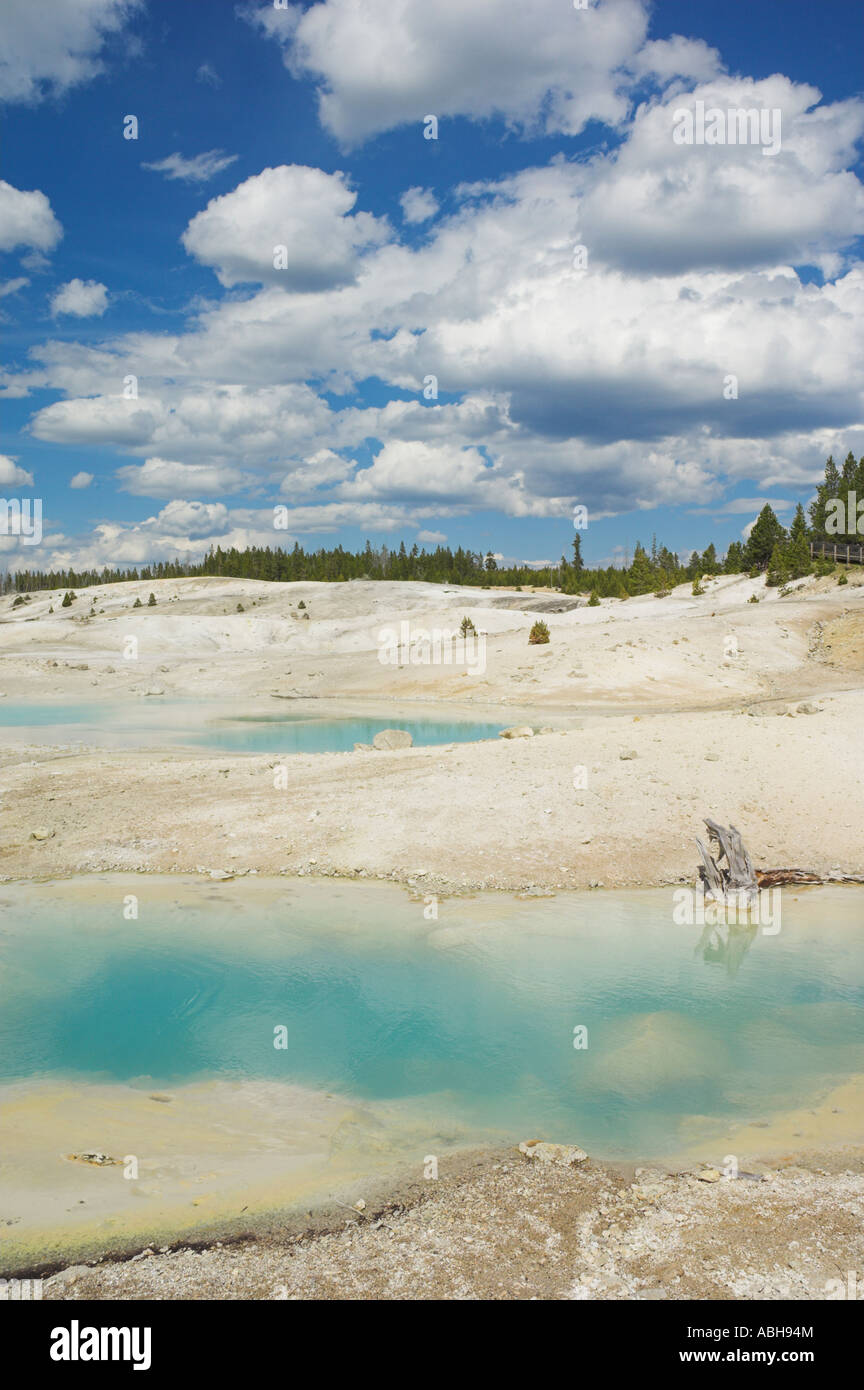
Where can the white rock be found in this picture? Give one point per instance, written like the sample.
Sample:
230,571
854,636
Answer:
564,1155
392,738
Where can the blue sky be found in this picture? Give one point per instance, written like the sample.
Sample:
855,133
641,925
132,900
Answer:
307,384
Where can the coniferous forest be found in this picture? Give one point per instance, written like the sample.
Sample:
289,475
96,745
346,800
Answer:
782,554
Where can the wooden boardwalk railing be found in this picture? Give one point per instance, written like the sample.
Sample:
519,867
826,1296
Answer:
844,554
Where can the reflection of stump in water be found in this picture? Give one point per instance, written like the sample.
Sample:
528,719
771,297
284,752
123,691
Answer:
735,884
730,950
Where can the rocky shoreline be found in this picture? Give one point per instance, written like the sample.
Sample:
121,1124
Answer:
500,1226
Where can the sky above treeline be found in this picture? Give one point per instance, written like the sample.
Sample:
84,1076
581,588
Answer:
425,272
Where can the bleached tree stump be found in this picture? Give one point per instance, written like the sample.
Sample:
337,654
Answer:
738,877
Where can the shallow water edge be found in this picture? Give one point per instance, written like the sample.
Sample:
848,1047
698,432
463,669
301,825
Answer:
231,1124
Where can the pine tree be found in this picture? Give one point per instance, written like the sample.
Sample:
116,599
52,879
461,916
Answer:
831,487
778,565
850,468
734,562
798,556
642,576
798,551
799,524
766,533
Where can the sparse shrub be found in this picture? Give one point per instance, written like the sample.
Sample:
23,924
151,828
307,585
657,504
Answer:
697,589
137,603
754,598
539,634
467,628
18,601
662,593
151,602
68,599
301,604
240,608
594,600
841,578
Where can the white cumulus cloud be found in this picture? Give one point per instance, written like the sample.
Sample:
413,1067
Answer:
291,226
158,477
418,204
82,299
45,50
13,476
26,219
380,64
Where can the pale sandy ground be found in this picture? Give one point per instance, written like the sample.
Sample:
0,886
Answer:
647,677
711,734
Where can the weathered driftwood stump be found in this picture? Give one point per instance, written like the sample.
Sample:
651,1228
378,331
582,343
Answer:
738,878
